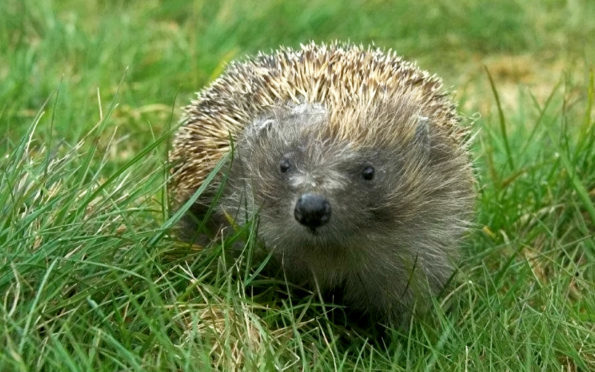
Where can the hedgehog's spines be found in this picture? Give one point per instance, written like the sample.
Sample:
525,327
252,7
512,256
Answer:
338,75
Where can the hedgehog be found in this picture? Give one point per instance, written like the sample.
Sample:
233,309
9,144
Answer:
354,161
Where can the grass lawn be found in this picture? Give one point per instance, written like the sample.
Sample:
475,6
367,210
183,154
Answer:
92,279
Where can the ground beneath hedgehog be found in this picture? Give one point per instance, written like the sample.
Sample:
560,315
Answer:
354,161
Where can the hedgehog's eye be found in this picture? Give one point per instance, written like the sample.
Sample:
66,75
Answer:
368,172
284,165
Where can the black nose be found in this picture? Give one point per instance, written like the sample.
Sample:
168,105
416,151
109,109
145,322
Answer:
312,210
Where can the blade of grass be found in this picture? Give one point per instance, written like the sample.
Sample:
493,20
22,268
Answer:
502,119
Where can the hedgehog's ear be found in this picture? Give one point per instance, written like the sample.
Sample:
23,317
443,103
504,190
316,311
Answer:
264,125
422,134
261,127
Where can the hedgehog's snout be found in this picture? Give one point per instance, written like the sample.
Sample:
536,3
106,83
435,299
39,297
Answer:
312,210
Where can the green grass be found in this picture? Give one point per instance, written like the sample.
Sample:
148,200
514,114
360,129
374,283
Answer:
92,279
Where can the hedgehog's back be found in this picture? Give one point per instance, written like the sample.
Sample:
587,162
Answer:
346,79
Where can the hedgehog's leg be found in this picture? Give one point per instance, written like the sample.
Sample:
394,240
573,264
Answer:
199,225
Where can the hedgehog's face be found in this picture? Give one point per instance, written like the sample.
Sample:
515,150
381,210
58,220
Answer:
314,192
